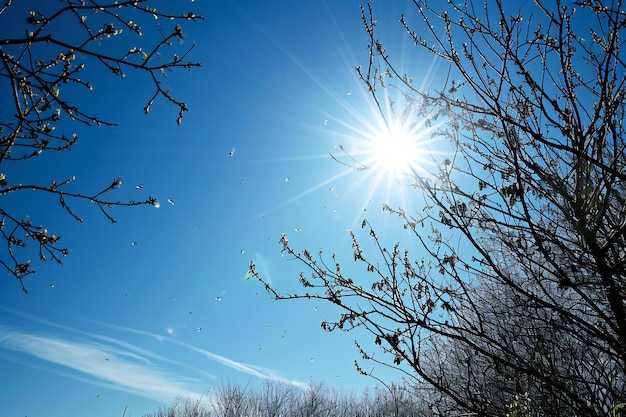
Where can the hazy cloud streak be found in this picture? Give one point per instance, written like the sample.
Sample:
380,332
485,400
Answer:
110,366
238,366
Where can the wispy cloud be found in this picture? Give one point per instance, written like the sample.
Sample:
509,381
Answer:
109,365
251,370
117,364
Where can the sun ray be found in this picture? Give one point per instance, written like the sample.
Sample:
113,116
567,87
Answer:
385,142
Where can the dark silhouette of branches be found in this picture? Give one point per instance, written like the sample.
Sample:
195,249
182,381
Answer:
520,284
43,66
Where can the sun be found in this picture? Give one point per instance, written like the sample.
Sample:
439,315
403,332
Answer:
395,149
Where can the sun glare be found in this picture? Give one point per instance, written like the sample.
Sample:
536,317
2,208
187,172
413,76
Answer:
395,150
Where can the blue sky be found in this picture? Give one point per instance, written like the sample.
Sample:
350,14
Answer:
135,325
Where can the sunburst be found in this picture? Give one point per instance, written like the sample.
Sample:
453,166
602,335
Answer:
396,148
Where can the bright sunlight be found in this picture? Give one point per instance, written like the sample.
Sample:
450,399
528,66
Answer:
394,149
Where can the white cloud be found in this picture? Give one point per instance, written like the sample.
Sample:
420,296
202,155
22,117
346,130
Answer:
116,364
109,365
252,370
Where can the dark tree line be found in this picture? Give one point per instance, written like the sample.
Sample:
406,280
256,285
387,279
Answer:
44,66
517,295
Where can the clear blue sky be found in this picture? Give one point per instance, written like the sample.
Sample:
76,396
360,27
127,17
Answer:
134,325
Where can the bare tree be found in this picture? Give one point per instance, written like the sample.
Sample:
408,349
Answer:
42,66
392,400
313,401
232,400
521,280
319,400
274,398
183,407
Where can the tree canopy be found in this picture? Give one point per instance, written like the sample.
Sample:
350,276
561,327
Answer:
516,297
43,63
